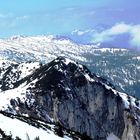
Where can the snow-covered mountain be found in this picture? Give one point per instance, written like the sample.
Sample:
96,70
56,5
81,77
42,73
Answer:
63,97
21,128
119,66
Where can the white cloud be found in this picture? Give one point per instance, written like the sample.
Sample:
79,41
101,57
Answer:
78,32
120,28
22,17
8,15
81,32
135,34
10,20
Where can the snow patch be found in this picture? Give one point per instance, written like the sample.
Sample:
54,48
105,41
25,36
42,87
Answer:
25,131
112,137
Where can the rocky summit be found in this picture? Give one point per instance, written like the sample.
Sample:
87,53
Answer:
65,93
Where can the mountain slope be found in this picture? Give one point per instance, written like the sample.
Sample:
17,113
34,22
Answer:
67,93
13,128
119,66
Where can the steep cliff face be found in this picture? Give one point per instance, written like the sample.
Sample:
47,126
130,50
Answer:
132,129
67,93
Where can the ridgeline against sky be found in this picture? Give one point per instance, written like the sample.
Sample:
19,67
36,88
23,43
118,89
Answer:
85,21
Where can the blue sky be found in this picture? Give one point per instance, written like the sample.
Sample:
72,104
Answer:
62,17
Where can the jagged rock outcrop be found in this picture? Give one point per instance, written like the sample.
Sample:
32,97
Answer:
66,92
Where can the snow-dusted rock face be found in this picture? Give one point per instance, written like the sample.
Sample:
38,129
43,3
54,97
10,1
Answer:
119,66
67,93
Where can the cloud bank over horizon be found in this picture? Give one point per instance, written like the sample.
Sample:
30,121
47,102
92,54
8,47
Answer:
119,29
111,34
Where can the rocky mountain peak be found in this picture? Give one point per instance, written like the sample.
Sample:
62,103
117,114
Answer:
66,92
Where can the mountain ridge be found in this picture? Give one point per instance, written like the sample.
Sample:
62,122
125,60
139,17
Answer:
119,66
65,92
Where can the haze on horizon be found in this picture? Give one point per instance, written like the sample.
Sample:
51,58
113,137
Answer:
104,21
